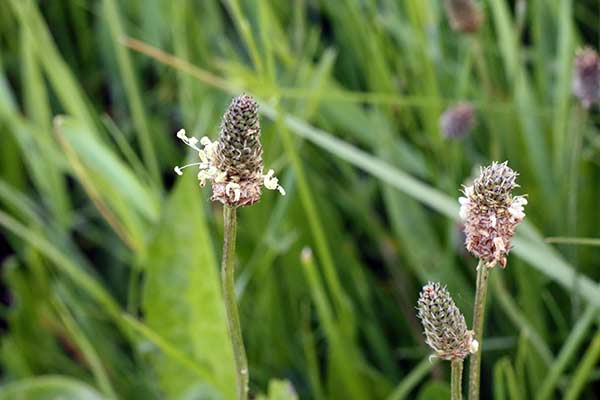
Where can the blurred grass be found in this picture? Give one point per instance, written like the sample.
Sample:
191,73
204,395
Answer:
110,286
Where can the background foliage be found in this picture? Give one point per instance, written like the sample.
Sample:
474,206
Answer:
109,264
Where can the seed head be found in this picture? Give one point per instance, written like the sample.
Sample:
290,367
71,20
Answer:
457,121
491,213
445,327
464,15
586,77
239,152
234,162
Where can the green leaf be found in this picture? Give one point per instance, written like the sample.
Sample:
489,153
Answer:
182,300
581,376
412,379
132,89
434,391
120,196
49,388
108,168
567,353
61,78
506,382
280,390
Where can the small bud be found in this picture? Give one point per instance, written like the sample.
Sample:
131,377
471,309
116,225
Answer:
445,327
491,213
464,15
586,76
458,121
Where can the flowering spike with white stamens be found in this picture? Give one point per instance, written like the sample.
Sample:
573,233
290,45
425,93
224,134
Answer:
491,213
233,163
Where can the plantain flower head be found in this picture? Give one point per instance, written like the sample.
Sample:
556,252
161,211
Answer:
457,121
464,15
233,163
491,213
445,327
586,77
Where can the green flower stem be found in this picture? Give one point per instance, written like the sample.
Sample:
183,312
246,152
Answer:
483,274
233,319
456,379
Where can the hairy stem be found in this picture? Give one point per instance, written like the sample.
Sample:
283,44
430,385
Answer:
483,273
456,379
233,319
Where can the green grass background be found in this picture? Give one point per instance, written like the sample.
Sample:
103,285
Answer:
110,283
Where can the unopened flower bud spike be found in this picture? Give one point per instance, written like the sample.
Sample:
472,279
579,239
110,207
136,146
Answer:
446,331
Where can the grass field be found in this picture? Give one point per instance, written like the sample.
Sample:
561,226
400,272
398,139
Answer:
109,260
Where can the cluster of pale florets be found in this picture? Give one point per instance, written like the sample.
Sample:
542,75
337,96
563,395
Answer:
491,213
233,163
445,327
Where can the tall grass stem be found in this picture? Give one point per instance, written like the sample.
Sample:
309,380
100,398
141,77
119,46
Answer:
233,319
483,273
456,379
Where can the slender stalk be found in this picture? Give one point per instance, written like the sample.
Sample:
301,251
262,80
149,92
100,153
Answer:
233,319
483,273
573,185
456,379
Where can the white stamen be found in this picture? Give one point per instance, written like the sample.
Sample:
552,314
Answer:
236,190
516,208
209,171
220,177
474,346
203,156
468,191
272,183
202,177
464,207
190,141
178,169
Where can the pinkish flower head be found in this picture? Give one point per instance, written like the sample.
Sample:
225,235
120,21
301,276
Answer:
586,77
458,121
491,213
